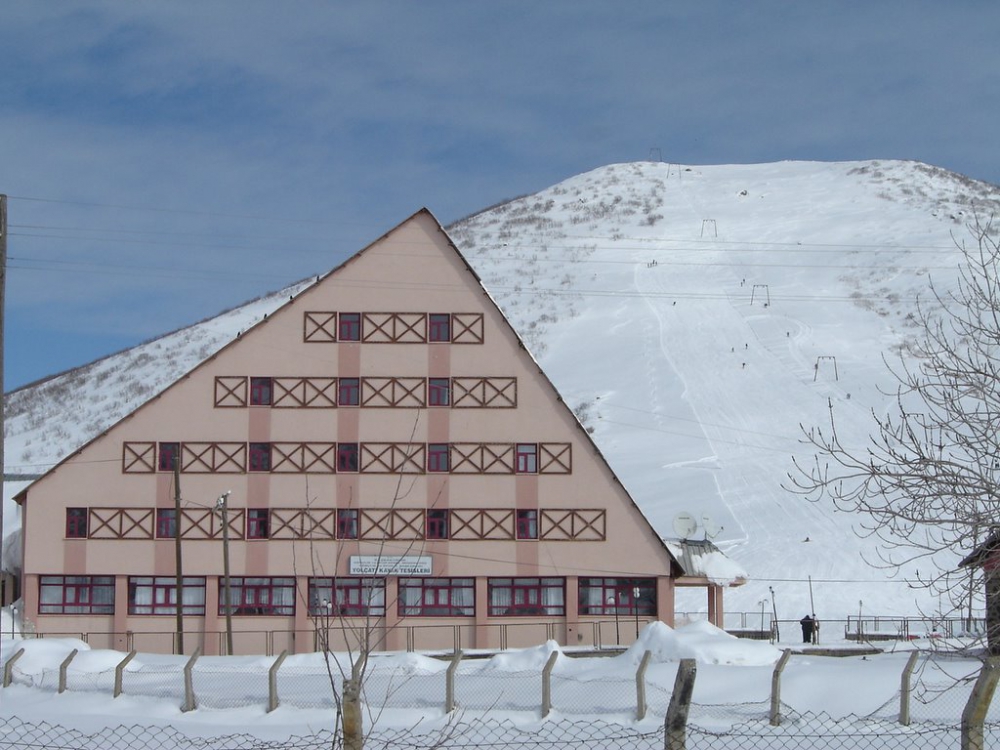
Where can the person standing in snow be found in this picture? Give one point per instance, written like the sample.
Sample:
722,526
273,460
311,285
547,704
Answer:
807,624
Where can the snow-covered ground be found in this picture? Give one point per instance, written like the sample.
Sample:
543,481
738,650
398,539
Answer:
732,686
694,317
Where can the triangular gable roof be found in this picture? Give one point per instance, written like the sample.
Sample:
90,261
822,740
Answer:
297,299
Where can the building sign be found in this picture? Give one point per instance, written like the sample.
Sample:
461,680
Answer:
390,565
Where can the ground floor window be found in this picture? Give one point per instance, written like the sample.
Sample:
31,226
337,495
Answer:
515,597
76,595
347,597
617,596
437,597
148,595
258,596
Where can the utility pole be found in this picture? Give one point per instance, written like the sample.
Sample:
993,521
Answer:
3,400
177,553
223,505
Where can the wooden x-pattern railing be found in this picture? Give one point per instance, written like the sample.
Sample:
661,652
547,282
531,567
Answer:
207,524
393,392
467,328
392,458
138,458
303,458
304,523
319,327
392,523
555,458
484,393
231,391
213,458
393,328
475,523
305,393
120,523
572,525
482,458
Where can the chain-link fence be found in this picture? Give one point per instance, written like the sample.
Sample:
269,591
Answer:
815,731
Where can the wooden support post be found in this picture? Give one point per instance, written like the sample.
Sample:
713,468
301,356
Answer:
8,668
62,670
120,673
449,687
272,682
190,704
640,686
979,703
675,723
547,684
779,667
904,689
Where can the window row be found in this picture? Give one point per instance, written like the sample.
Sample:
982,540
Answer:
348,597
322,327
237,391
330,523
437,523
371,458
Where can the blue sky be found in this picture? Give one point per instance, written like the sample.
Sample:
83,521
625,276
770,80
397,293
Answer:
165,161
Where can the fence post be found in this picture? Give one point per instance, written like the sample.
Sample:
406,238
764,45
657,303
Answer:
272,682
779,667
449,684
190,704
904,689
547,684
62,670
8,668
675,723
120,673
979,703
640,687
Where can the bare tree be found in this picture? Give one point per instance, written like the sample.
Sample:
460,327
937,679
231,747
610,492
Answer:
926,483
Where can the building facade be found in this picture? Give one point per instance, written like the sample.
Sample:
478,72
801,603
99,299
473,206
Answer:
379,461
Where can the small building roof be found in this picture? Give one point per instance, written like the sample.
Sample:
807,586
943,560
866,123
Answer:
703,562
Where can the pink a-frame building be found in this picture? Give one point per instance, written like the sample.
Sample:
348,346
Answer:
394,468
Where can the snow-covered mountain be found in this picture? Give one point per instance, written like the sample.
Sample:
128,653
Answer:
693,318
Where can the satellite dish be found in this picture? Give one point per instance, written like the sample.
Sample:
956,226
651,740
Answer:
685,525
712,528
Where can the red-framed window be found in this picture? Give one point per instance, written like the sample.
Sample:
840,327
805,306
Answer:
166,523
258,523
617,596
347,597
520,597
437,597
349,327
436,524
261,391
148,595
438,457
347,457
347,523
168,454
439,392
526,458
76,595
76,523
258,596
439,327
526,524
348,392
260,457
